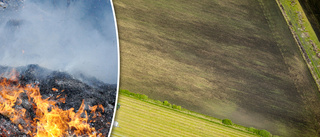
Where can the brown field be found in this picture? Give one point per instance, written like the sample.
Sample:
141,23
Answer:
228,59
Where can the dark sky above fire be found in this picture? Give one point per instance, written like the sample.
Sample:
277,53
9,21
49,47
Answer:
77,36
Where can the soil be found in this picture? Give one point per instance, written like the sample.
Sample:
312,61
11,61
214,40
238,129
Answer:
228,59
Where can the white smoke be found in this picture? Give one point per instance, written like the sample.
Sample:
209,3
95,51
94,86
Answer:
75,37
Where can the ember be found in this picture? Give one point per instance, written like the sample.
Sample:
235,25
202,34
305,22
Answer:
42,103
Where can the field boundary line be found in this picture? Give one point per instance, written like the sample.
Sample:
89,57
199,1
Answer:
240,129
218,127
302,49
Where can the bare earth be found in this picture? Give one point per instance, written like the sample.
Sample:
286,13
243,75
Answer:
228,59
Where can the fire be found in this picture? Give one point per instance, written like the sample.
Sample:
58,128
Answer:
49,119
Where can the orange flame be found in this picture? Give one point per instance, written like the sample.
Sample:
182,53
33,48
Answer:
50,120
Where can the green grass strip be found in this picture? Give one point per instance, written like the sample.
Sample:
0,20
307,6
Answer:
140,118
303,34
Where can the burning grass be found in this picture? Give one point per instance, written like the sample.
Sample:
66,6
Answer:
35,116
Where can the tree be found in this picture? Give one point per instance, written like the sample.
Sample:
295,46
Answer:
166,103
227,121
252,129
143,96
174,106
158,102
265,133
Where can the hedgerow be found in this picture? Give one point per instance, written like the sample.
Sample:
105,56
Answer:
263,133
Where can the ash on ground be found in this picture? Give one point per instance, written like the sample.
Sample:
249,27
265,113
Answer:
74,90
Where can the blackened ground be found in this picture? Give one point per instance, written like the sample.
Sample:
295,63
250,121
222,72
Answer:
8,129
92,92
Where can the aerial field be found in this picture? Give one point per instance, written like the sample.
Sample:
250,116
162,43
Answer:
227,59
139,118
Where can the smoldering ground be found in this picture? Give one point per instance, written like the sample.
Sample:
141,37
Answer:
77,36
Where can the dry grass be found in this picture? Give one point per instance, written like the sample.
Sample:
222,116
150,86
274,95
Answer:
139,118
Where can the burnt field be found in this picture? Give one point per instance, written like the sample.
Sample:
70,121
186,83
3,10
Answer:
227,59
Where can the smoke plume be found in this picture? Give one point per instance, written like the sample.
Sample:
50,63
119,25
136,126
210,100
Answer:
77,36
